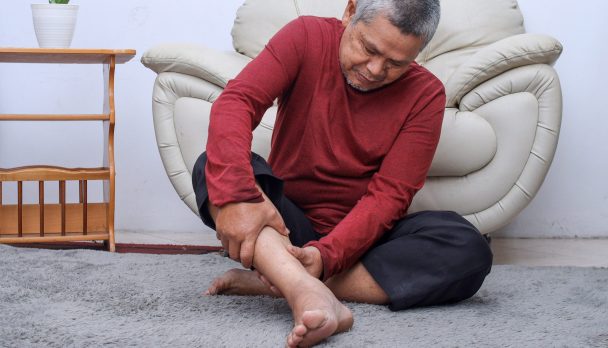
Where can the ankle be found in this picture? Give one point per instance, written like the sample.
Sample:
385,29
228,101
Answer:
307,284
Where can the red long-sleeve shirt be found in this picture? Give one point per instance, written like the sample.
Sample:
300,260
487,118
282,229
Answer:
351,160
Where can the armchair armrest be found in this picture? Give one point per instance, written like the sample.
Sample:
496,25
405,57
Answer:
495,59
199,61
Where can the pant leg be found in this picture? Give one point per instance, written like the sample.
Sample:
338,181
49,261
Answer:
429,258
301,229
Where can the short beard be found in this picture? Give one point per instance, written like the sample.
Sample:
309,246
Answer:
355,86
352,84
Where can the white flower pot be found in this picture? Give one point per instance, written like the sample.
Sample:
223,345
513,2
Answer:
54,24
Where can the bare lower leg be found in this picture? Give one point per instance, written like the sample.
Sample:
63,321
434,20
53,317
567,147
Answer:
239,282
353,285
316,311
357,285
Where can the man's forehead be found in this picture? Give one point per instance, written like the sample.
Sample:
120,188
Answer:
390,43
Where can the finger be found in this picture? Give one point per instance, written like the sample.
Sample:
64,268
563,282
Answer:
278,224
295,251
268,284
234,250
247,249
218,235
265,281
276,291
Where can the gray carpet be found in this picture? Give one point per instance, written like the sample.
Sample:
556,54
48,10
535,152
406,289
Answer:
82,298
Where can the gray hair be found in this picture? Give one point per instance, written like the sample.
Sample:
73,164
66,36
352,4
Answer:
411,17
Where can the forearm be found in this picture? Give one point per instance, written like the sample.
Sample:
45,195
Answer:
357,233
239,110
228,171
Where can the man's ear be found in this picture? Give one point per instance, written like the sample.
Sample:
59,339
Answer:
349,12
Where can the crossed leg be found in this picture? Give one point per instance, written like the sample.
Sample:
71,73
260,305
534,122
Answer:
353,285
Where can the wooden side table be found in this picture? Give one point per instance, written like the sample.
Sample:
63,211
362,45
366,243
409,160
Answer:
63,221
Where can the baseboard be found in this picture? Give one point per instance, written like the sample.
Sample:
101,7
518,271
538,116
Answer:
126,247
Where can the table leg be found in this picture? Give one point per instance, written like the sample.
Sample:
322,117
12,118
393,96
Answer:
108,127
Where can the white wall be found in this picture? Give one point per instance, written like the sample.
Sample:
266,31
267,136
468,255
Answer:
572,202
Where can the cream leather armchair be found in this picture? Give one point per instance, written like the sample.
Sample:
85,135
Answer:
501,122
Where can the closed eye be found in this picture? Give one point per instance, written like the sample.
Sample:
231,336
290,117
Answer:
397,64
368,50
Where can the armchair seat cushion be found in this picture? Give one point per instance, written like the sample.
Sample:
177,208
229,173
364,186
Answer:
474,139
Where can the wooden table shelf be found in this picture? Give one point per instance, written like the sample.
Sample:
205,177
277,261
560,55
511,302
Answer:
52,117
53,173
64,221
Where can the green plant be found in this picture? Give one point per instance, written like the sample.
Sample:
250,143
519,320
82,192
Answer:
58,1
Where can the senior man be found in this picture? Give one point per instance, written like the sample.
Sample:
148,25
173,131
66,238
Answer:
326,218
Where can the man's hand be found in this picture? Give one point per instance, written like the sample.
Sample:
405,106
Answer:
239,224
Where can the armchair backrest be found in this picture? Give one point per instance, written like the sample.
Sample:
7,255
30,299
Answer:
465,27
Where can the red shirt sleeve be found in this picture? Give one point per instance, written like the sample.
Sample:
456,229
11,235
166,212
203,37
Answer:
390,191
238,111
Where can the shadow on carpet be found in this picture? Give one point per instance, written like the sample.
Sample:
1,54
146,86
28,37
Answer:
58,298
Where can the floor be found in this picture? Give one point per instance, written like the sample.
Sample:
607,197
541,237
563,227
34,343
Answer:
551,252
531,252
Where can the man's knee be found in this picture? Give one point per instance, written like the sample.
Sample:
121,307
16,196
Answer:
476,263
471,242
470,252
432,243
472,258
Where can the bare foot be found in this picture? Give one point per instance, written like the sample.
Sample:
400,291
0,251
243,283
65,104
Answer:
317,315
239,282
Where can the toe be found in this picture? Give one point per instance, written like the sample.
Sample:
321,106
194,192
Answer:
213,289
299,331
296,336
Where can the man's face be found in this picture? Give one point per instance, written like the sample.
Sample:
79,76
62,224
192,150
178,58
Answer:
374,54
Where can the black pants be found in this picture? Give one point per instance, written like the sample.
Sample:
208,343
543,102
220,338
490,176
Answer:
427,258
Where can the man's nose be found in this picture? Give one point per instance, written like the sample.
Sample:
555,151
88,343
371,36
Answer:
375,66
